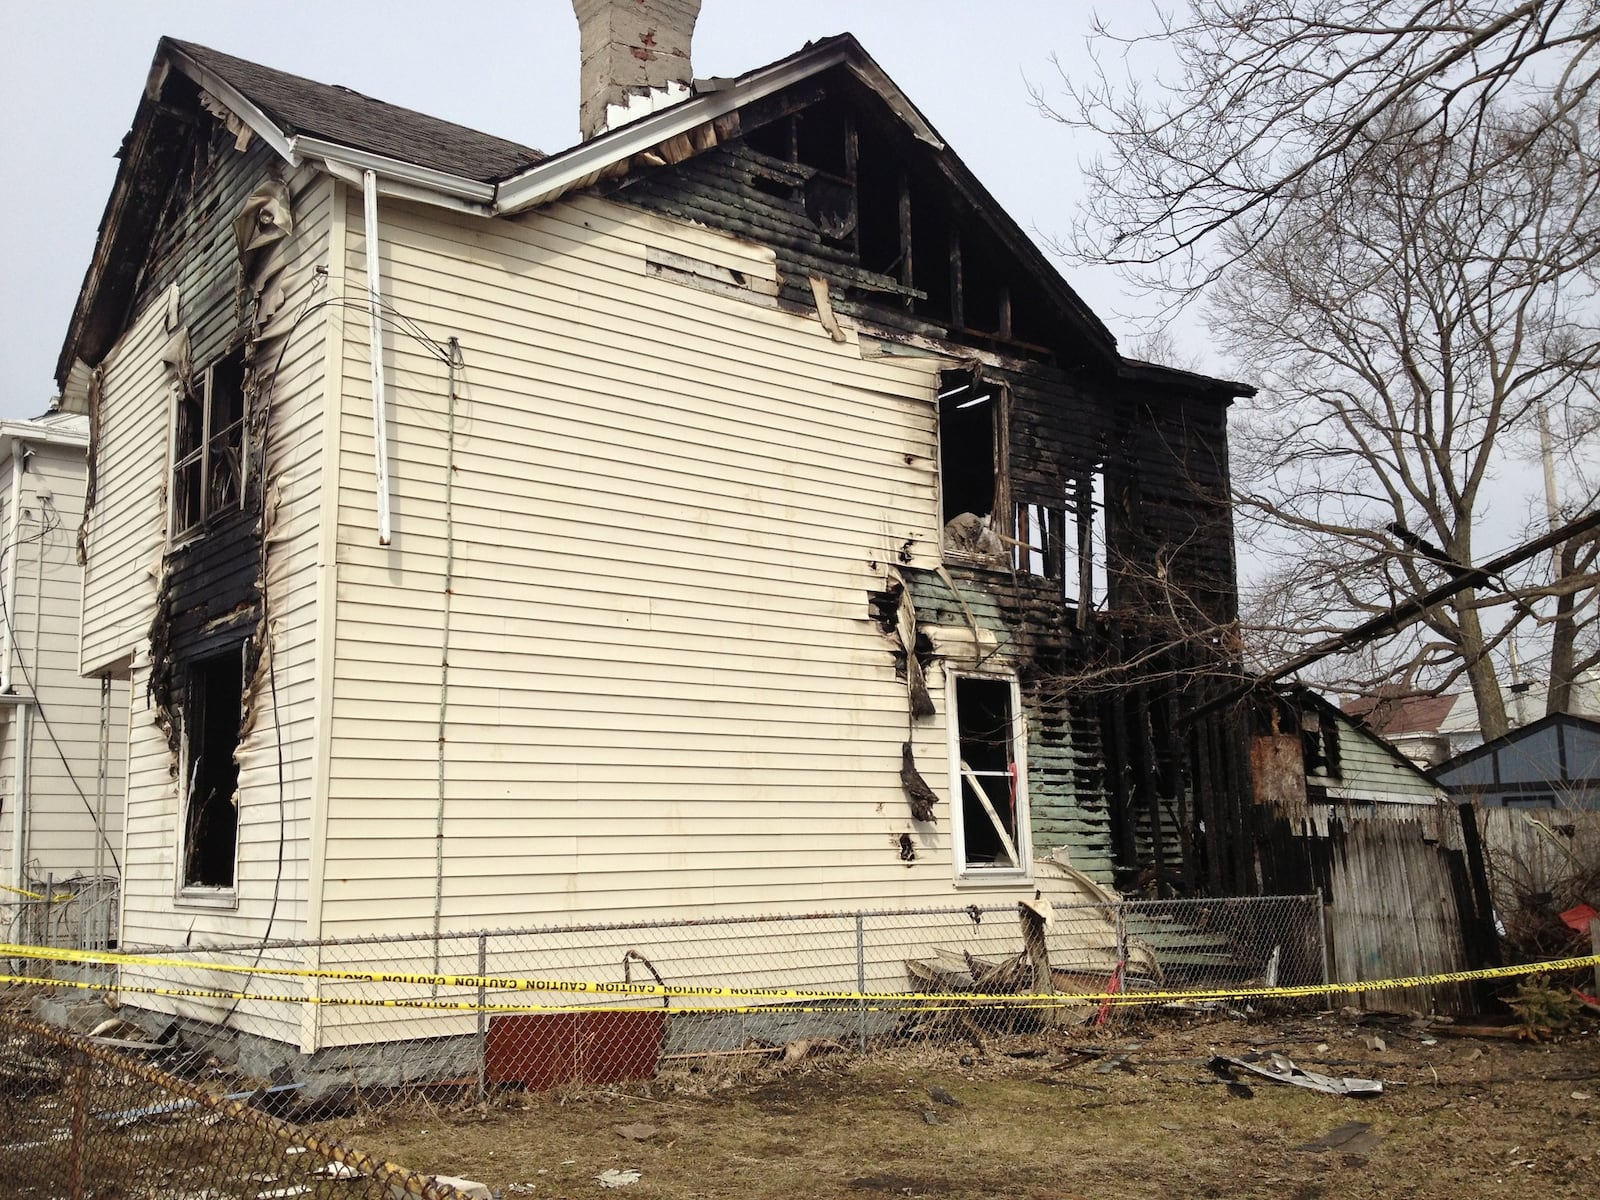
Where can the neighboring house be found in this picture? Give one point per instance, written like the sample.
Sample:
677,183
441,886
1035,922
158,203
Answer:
710,518
62,737
1310,761
1426,729
1431,730
1553,762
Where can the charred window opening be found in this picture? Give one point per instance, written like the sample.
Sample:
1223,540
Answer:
991,814
971,463
1067,542
208,445
1319,744
211,720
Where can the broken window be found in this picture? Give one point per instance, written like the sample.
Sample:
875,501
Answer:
991,809
1067,542
971,464
1319,745
208,445
212,713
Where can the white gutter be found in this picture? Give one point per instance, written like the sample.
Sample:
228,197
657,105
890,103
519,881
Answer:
427,178
356,177
380,433
555,176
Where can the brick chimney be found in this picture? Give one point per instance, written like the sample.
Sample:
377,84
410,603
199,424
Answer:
635,59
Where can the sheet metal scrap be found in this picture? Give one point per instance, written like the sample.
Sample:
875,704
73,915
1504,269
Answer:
1281,1070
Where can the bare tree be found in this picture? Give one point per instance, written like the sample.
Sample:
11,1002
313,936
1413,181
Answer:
1256,105
1415,318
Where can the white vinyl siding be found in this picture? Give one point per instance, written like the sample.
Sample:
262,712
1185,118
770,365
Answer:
666,694
62,784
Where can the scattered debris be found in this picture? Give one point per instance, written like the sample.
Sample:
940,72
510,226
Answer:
1373,1042
1281,1070
931,1117
638,1131
469,1188
615,1178
1354,1137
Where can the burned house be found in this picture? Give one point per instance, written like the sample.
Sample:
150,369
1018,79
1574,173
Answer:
734,511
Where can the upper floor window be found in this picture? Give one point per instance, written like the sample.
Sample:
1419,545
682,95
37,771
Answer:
972,469
208,462
1066,541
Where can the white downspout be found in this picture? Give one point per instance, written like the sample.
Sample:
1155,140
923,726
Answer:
19,795
16,452
380,434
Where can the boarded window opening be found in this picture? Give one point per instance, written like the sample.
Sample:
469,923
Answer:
992,806
208,472
971,466
211,719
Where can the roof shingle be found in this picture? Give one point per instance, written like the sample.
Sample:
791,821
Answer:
337,114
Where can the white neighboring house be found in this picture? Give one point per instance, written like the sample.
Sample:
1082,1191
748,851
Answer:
63,738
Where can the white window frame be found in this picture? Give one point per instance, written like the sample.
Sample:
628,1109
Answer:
175,535
202,895
961,790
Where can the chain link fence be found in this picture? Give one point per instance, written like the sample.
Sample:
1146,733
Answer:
188,1057
79,1119
601,1003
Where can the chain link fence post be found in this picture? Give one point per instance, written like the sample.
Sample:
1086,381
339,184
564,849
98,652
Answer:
1322,946
483,1017
861,981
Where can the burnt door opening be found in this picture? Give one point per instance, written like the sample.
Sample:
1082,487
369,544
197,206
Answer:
989,783
211,719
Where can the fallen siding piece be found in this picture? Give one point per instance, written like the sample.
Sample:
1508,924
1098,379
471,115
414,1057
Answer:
1280,1070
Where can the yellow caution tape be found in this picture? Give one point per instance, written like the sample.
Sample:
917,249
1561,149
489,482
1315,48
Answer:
712,992
62,898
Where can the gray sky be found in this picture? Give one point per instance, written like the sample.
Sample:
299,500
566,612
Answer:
71,73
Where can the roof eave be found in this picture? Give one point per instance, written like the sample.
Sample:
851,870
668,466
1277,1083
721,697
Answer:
581,164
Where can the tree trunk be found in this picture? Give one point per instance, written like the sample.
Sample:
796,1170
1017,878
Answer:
1563,637
1481,674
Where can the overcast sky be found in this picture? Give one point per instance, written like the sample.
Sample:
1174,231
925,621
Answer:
71,73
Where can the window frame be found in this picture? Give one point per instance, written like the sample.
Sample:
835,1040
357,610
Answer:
1002,518
180,528
186,893
967,873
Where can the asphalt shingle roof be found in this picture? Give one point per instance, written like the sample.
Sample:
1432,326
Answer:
303,106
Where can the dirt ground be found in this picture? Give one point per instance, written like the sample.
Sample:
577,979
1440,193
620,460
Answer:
1130,1111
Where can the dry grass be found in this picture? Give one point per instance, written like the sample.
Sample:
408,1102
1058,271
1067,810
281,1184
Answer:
1463,1118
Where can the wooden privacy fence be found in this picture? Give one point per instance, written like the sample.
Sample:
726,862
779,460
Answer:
1400,904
